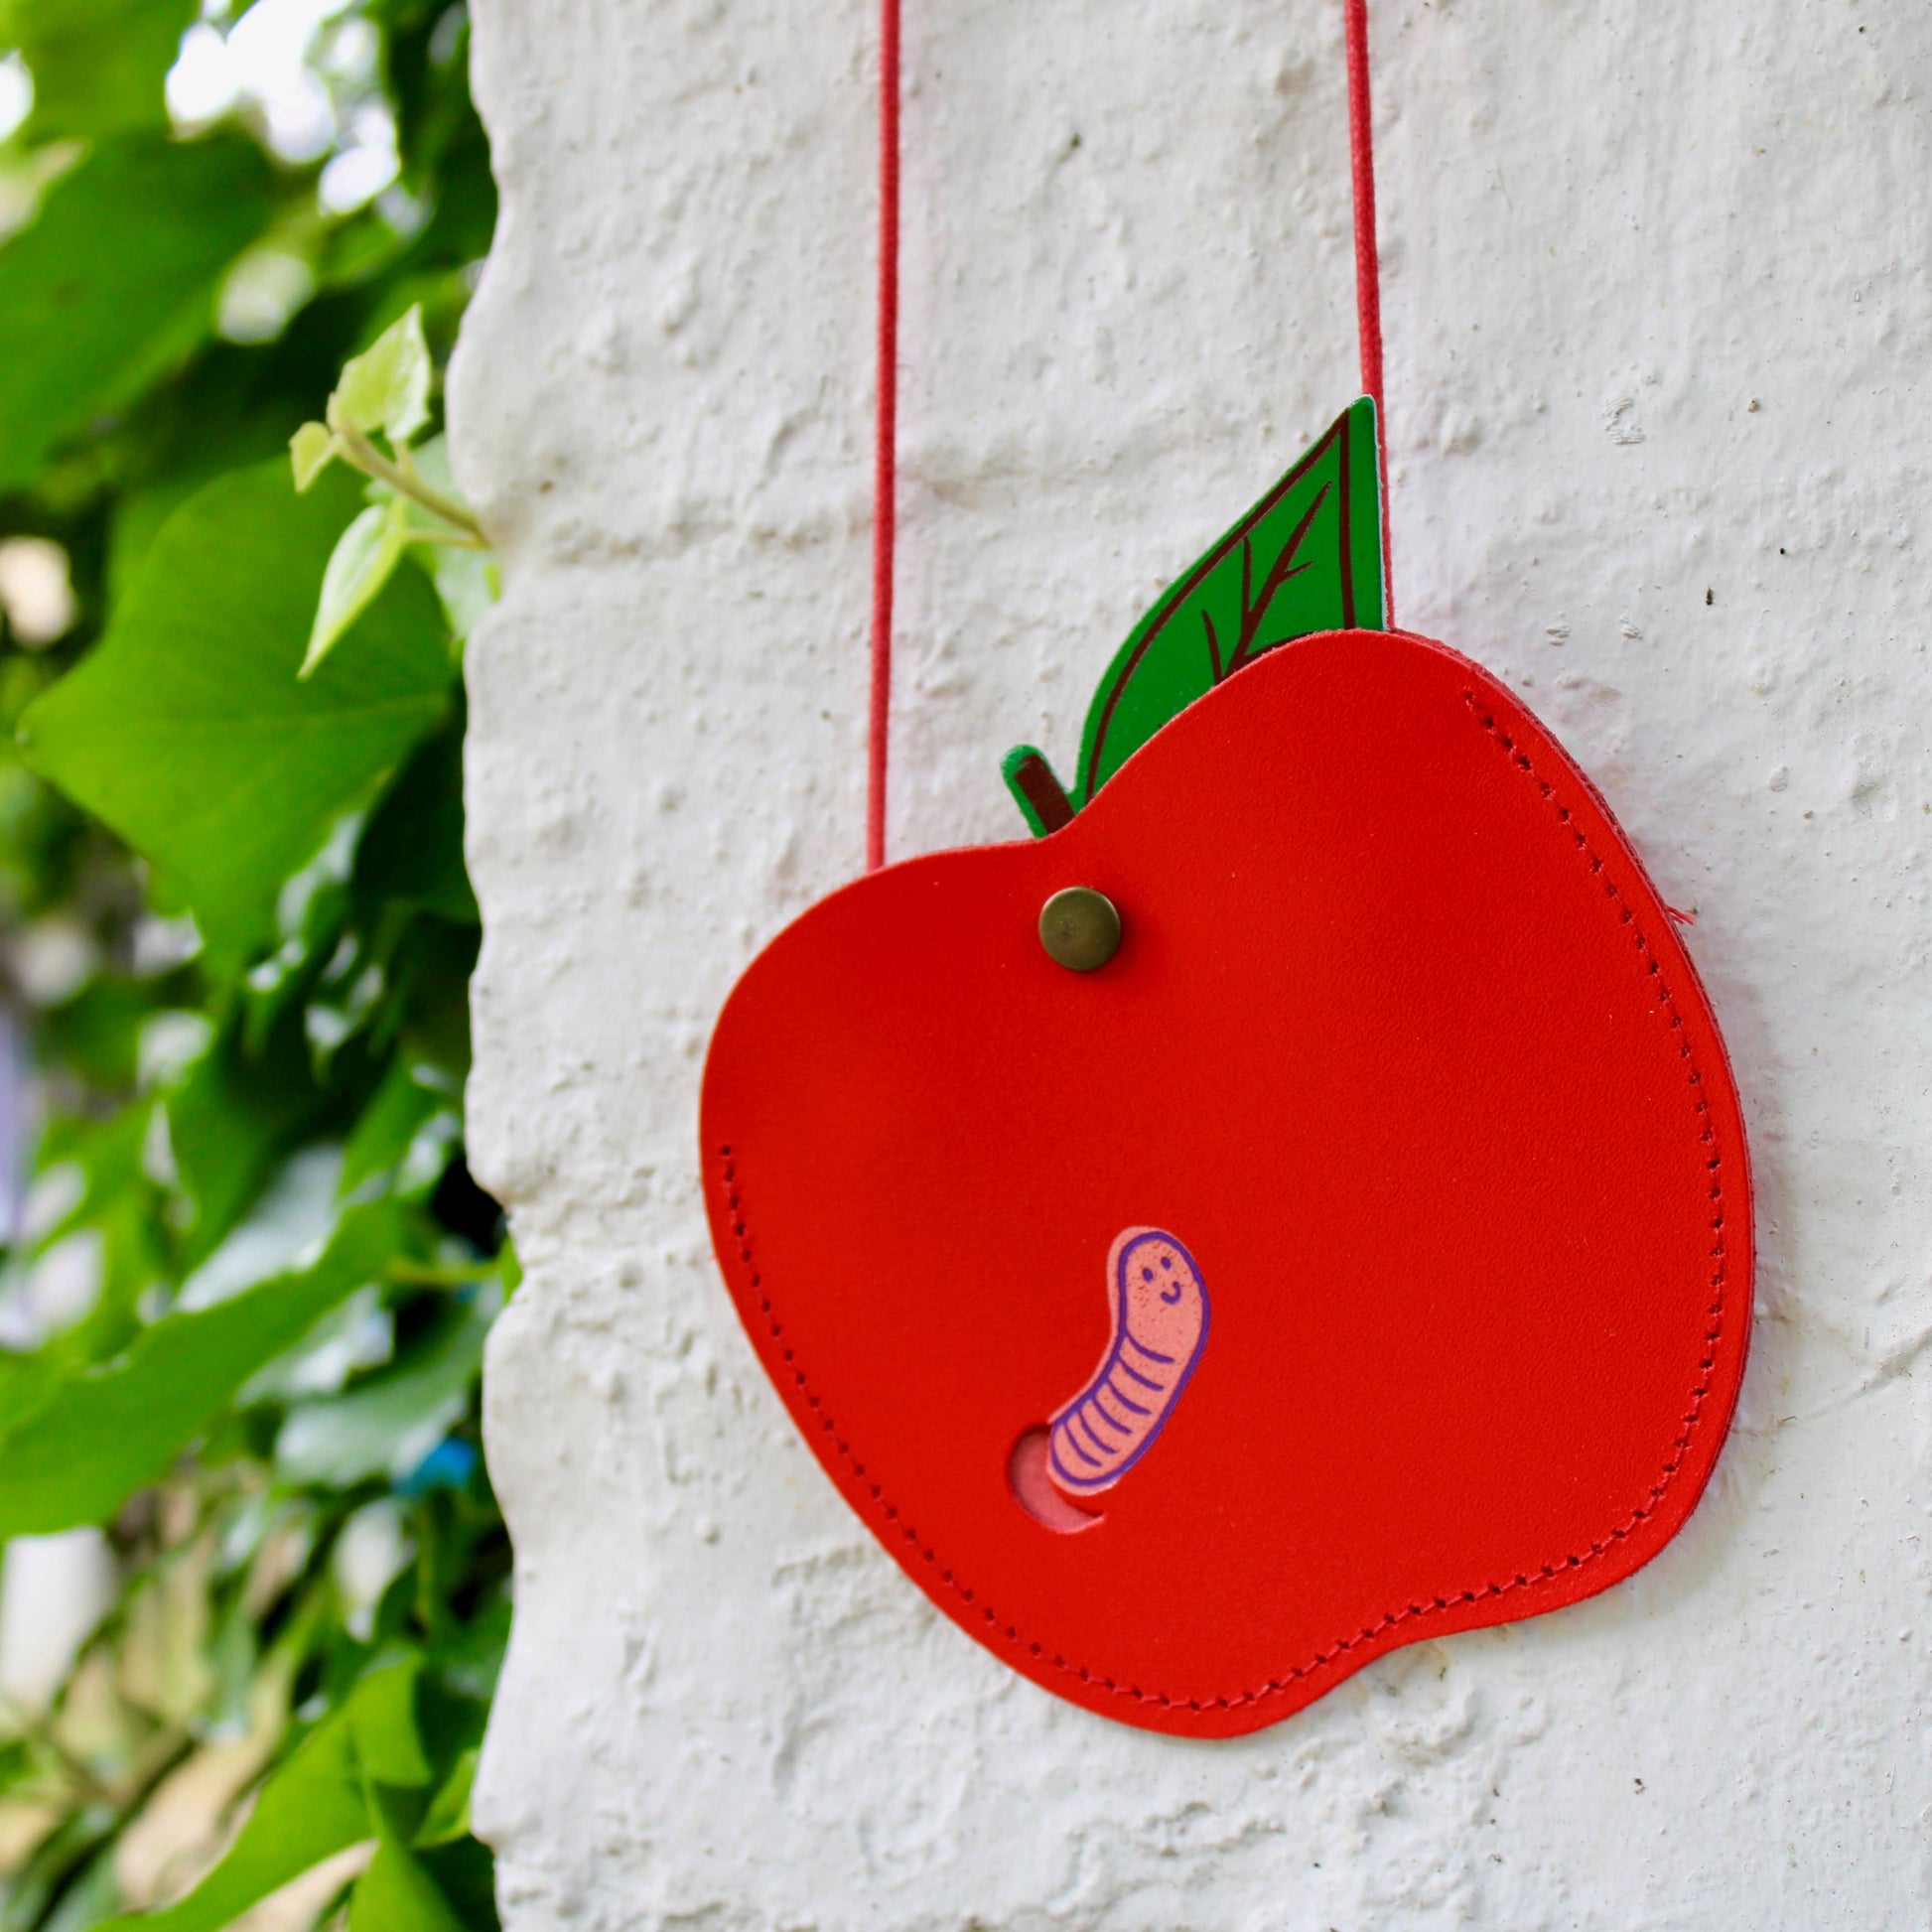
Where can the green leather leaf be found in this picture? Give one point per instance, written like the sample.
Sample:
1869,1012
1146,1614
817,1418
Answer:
1307,557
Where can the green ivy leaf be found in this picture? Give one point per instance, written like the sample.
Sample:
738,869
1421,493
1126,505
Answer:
99,66
315,1805
386,1425
388,1745
386,387
114,1202
116,280
465,1876
99,1435
186,729
466,580
27,1380
411,851
389,1140
233,1116
468,583
1307,557
311,450
395,1895
447,1816
362,561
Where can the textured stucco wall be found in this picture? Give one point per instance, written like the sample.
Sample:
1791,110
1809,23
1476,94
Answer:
1659,325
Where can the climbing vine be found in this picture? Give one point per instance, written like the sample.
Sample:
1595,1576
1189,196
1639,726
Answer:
256,1584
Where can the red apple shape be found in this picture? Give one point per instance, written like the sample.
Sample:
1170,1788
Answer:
1401,1049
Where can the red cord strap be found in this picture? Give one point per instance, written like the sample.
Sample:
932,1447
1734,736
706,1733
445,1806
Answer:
885,469
1368,262
884,476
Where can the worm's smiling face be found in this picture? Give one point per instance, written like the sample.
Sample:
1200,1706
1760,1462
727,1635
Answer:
1163,1301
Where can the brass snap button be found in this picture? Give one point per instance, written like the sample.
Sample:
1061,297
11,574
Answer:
1079,928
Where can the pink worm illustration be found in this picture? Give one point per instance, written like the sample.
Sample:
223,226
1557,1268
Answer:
1159,1306
1160,1327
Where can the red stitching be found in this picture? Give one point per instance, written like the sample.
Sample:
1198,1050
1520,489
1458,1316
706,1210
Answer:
1667,1007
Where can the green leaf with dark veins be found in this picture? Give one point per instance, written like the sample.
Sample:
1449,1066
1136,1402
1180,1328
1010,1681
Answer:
116,280
1307,557
186,729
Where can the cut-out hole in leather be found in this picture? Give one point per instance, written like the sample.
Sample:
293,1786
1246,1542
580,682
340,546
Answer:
1033,1488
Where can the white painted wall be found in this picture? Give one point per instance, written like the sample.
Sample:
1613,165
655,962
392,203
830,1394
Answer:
1659,324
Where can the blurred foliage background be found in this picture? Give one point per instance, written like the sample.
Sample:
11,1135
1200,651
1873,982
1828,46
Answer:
255,1585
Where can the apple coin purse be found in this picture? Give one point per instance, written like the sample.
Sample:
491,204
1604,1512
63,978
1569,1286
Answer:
1292,1205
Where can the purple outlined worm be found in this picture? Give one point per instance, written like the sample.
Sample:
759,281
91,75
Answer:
1158,1304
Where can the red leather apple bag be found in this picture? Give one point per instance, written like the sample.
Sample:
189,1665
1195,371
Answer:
1382,1153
